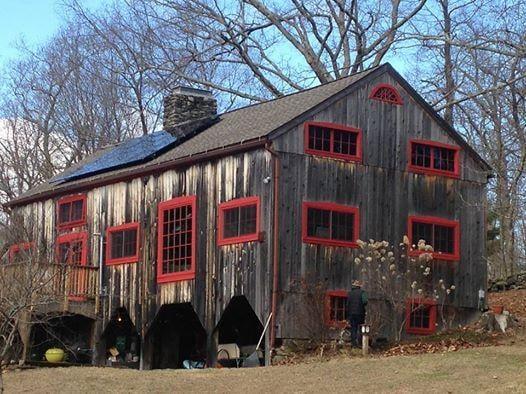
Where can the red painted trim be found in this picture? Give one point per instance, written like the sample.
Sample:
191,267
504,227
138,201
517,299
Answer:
70,200
14,249
71,237
455,224
432,316
329,206
398,101
237,203
171,204
332,154
328,295
126,259
430,170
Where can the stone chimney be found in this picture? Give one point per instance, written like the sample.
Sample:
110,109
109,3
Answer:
187,106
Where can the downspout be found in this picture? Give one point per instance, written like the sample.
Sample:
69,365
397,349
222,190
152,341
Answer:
275,245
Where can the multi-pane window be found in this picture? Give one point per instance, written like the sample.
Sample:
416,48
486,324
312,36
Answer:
386,93
176,239
333,140
72,248
238,221
442,235
434,158
122,246
420,316
331,224
336,308
71,211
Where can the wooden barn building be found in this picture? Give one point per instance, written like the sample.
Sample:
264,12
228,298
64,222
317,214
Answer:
189,238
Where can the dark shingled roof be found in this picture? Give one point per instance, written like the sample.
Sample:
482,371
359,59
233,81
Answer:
246,124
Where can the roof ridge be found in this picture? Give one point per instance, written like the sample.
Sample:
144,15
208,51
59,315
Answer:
304,90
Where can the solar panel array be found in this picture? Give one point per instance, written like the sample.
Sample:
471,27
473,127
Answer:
127,153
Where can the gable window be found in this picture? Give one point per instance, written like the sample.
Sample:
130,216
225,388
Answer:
123,244
238,221
336,308
71,211
420,316
19,252
386,93
176,239
330,224
443,235
333,140
434,158
72,248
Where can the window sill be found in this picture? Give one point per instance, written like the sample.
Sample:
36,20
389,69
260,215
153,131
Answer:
432,172
124,260
176,277
436,255
321,153
420,331
239,240
70,225
330,242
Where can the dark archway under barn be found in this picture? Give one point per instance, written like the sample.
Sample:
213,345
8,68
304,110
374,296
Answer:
238,325
120,342
72,333
176,335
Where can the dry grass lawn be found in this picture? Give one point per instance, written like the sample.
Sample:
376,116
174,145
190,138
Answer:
491,369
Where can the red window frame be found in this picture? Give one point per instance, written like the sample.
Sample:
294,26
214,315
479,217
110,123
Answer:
328,315
432,305
167,205
16,248
431,170
71,200
72,237
333,127
238,203
436,221
397,100
116,229
328,206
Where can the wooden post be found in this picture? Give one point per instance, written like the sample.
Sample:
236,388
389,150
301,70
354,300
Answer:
365,344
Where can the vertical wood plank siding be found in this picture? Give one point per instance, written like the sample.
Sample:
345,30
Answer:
221,272
385,193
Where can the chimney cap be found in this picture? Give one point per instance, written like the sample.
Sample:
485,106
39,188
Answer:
189,91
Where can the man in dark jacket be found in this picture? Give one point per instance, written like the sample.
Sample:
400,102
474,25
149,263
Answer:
356,303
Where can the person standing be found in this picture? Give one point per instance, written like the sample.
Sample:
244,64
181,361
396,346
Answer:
356,303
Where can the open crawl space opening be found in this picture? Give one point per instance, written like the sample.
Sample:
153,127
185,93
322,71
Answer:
176,336
71,333
121,340
238,330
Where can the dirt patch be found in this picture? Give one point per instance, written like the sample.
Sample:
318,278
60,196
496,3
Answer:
490,369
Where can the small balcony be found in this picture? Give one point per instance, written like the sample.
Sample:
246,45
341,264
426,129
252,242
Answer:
50,282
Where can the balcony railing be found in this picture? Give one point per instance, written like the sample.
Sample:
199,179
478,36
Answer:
50,280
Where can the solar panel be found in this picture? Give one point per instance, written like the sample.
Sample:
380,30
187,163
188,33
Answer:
127,153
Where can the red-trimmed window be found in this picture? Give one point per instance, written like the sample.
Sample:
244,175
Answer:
442,234
386,93
333,140
176,239
72,248
433,158
421,315
330,224
71,211
123,244
18,251
336,308
238,221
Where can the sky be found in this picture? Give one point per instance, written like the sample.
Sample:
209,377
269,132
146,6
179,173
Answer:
34,21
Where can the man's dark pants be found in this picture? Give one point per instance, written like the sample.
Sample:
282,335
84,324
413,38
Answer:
356,334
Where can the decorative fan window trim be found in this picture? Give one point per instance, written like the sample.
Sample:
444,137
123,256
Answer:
387,94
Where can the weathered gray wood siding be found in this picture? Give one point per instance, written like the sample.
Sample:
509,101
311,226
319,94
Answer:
221,272
385,192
